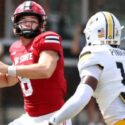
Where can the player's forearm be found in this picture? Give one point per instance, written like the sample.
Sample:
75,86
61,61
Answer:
74,105
34,71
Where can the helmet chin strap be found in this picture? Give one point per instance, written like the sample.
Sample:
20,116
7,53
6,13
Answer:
29,34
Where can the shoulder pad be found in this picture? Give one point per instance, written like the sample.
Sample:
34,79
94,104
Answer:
50,33
85,56
90,56
47,33
48,41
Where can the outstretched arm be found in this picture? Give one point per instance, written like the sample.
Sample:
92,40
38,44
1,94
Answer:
74,105
43,69
80,98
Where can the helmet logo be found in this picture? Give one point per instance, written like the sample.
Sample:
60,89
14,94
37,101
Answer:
101,33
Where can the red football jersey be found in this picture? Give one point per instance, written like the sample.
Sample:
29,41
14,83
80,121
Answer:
41,96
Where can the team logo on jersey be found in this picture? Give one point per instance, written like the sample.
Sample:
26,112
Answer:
23,58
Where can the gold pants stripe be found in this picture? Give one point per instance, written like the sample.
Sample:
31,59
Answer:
121,122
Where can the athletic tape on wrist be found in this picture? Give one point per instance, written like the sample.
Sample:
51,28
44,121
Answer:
12,70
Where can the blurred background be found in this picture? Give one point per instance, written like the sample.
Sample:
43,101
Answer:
68,18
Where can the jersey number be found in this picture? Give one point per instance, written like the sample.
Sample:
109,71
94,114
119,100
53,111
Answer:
26,87
120,66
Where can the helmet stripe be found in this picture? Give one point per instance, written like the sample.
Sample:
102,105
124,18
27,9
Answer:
113,26
109,25
28,5
106,29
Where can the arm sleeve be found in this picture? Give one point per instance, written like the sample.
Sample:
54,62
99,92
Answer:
74,105
94,71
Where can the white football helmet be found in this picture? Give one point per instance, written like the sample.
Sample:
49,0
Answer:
103,28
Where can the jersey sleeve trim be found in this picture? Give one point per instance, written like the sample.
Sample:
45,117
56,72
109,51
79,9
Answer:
85,56
52,39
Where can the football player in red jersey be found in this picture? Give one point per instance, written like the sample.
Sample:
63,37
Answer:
38,64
